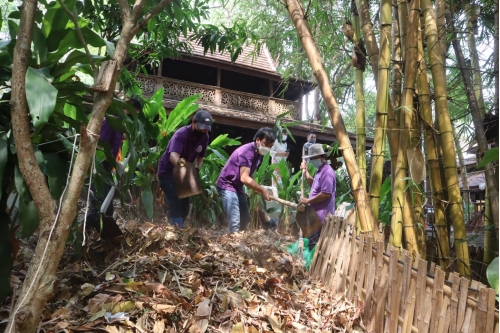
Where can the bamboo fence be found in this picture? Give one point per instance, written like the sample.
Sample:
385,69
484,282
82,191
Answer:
400,294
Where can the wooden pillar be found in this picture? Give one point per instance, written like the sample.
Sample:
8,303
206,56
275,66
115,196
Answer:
160,67
218,93
218,77
271,88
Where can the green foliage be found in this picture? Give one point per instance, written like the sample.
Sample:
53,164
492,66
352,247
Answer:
490,156
41,96
492,274
385,202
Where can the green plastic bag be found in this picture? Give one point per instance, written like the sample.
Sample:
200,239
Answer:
308,254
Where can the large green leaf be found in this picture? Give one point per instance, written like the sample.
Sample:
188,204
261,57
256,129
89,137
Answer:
492,274
490,156
180,113
20,185
56,18
4,155
73,58
147,201
28,218
39,45
56,171
41,96
152,107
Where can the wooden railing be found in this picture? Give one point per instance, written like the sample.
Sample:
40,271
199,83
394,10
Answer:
221,97
399,294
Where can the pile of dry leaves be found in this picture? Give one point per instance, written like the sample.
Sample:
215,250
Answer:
157,279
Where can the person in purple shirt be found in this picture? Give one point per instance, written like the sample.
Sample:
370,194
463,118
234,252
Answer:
114,138
188,143
323,187
237,172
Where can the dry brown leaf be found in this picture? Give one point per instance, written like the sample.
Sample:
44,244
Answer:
416,161
159,326
202,313
156,287
166,308
62,325
111,329
253,309
238,328
196,284
145,228
128,241
87,289
97,303
277,327
299,327
62,313
252,329
197,257
235,300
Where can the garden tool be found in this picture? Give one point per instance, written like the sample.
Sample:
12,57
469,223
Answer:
186,179
307,220
110,229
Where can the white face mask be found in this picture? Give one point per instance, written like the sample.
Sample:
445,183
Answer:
284,137
312,140
264,150
316,163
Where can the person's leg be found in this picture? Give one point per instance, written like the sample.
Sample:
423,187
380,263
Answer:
232,209
174,203
244,212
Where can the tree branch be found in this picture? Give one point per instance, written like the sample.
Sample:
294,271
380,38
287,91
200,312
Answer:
124,10
151,13
82,39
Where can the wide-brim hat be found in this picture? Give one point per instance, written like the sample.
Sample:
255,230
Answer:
315,150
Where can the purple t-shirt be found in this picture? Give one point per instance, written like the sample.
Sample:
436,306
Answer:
244,156
187,145
324,181
111,136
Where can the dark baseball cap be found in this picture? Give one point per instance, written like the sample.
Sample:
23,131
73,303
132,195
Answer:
136,103
203,119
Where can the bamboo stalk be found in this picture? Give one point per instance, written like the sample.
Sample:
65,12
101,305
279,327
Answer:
489,172
432,160
474,58
378,148
402,217
370,39
360,195
450,165
397,78
403,27
360,106
490,241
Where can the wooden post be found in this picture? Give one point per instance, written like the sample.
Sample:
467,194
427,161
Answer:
271,88
218,77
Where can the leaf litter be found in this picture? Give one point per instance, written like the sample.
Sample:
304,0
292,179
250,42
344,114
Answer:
159,279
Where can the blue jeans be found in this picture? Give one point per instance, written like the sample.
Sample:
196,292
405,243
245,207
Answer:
178,209
236,208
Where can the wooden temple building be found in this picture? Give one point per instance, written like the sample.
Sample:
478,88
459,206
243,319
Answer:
242,96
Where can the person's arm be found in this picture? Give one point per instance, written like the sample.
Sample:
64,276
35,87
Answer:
174,158
322,196
303,167
251,183
199,161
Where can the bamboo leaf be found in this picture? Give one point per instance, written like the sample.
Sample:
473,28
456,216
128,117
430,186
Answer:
490,156
41,97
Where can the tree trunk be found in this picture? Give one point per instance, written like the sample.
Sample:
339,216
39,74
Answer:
360,195
41,277
496,108
370,39
378,148
450,165
489,171
432,160
360,107
402,215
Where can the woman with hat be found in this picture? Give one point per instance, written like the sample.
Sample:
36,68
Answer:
322,195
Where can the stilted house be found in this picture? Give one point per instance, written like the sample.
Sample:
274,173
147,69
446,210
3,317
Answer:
242,96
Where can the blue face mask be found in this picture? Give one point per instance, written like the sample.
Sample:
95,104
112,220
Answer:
316,163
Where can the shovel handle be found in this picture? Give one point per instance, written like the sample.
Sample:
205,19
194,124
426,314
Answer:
299,207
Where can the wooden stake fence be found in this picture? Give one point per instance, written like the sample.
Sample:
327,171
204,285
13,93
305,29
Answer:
400,295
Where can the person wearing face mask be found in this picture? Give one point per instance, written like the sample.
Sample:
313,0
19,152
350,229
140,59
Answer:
323,186
237,172
189,143
278,153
